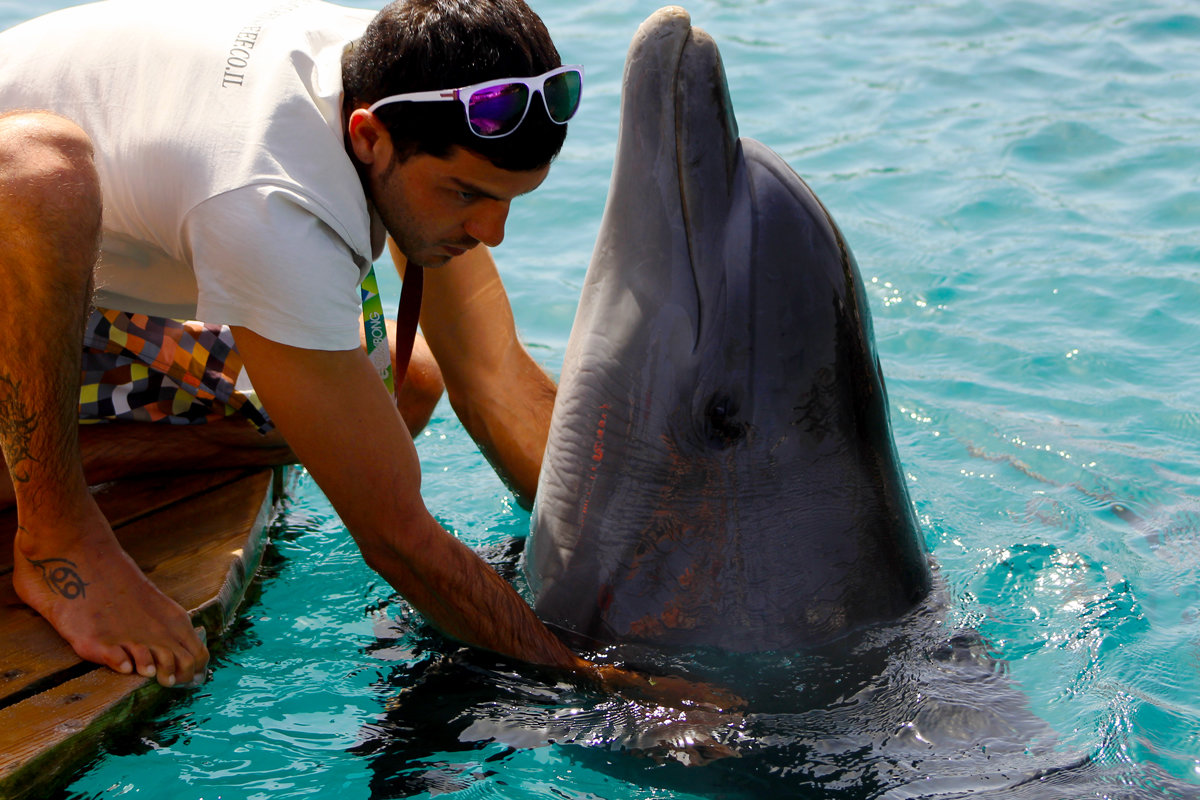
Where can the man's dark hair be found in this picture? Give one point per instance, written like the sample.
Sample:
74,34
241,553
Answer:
424,45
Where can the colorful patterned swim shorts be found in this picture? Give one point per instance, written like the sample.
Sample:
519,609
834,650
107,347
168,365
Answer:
151,369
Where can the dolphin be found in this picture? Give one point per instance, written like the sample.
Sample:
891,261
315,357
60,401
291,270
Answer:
720,470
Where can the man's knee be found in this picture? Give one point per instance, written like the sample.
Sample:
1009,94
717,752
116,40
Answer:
50,200
47,169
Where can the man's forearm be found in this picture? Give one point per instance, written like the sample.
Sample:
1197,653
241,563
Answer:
463,597
512,426
339,420
501,395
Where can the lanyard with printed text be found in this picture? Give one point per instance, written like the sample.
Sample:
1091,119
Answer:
376,327
407,316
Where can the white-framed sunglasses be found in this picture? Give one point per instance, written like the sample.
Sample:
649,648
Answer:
497,108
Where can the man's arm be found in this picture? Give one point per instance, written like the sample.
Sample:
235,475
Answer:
502,396
339,420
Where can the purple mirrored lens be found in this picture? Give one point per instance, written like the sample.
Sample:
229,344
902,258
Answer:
497,109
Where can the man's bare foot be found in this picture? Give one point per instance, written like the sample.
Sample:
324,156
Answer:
95,596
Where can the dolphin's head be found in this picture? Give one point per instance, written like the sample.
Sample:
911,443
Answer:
720,467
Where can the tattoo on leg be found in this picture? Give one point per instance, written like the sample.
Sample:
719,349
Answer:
16,429
61,576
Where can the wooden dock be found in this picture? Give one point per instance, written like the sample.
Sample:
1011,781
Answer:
200,538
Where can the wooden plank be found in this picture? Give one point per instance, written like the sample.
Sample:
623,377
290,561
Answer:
49,734
200,546
188,549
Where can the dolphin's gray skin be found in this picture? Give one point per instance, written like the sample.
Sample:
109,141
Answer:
720,470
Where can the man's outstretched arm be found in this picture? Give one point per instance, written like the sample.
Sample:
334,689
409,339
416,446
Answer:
339,420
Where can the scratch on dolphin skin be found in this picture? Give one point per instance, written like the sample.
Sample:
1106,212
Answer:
597,458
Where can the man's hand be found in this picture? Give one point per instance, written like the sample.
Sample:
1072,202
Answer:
667,690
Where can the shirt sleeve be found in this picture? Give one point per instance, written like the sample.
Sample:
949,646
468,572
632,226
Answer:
264,261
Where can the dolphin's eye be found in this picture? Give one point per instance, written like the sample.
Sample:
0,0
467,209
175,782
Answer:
721,421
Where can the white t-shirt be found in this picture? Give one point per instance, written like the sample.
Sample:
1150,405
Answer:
228,194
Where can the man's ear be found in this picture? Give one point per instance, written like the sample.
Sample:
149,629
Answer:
369,139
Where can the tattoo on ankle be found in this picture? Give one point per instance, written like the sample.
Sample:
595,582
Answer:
16,429
61,576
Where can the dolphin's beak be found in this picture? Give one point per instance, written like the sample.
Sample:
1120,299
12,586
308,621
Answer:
679,73
706,132
677,165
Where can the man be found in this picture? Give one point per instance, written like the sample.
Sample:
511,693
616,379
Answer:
248,158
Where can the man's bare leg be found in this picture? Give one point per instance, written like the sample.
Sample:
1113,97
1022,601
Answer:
67,564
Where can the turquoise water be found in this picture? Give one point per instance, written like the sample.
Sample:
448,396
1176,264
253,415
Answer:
1020,184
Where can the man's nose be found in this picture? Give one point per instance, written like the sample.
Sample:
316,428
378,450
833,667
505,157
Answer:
487,223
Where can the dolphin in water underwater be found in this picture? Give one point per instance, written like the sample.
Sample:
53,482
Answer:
720,470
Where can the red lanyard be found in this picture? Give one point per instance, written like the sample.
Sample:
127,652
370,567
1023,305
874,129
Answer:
408,313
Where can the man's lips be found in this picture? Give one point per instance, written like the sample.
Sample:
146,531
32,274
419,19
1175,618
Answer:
457,250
